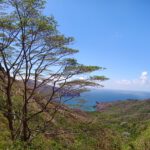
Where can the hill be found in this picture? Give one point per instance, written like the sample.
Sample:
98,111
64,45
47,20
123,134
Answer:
130,119
121,125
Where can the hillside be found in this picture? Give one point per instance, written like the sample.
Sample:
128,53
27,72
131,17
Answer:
130,119
122,125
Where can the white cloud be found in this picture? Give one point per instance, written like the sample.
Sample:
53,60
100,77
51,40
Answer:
81,78
140,83
144,77
124,82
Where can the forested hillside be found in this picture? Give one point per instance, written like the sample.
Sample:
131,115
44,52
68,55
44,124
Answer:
124,125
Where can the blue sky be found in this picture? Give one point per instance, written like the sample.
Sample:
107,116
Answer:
111,33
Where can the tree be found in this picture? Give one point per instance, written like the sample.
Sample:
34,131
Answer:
35,56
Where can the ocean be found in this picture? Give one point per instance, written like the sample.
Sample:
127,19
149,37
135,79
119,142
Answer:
87,101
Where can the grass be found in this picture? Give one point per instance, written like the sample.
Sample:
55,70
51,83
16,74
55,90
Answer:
125,125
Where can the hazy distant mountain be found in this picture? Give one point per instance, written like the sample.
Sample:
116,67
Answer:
46,89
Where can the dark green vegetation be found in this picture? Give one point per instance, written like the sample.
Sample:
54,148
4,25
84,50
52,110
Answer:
124,125
35,56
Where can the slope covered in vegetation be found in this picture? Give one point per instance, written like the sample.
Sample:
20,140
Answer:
124,125
131,120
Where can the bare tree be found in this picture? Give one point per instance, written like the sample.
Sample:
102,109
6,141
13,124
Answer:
35,67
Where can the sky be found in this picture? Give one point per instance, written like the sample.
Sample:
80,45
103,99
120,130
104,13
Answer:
114,34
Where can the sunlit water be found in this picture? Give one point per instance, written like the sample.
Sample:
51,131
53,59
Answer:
88,100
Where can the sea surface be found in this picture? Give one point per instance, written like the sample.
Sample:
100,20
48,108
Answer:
87,101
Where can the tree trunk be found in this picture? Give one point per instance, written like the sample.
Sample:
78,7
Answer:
10,112
25,124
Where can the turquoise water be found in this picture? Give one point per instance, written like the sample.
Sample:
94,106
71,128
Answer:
88,99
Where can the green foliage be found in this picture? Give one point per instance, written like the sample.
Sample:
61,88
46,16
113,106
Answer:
143,141
112,129
42,54
101,78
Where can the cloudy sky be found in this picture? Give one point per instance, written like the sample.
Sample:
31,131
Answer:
111,33
141,83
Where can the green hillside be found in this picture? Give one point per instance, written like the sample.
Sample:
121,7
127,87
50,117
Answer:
124,125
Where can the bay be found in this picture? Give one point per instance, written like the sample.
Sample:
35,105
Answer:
87,101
